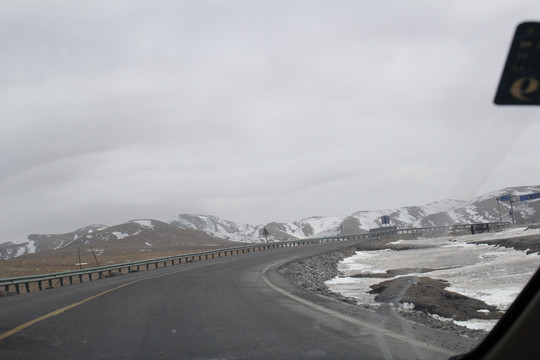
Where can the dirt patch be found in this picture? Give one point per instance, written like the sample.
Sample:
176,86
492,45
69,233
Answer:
5,293
530,243
429,296
113,274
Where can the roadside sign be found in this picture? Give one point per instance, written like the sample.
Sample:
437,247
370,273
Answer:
529,197
520,81
385,219
504,198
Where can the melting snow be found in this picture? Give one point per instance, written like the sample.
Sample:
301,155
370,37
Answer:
145,223
20,251
21,240
492,274
119,235
31,247
323,223
28,248
477,324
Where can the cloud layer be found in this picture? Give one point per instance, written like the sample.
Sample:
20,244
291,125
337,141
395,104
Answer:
253,111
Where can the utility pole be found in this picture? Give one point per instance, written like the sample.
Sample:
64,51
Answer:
499,207
79,253
95,257
245,240
512,209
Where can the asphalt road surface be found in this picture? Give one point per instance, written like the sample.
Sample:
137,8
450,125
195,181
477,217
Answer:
226,308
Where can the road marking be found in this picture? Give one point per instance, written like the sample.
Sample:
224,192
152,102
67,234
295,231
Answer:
65,308
354,321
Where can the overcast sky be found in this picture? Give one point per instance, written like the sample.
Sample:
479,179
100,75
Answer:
254,111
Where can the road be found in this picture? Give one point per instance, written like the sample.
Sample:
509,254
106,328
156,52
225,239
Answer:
224,308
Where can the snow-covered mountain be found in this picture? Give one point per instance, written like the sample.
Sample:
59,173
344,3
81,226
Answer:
132,236
215,226
193,230
484,208
226,229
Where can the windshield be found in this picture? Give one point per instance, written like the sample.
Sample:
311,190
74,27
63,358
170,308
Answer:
136,130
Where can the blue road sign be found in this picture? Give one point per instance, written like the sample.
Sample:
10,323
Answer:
385,219
529,197
504,198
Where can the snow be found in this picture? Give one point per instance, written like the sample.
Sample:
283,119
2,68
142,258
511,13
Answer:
28,248
20,251
501,298
21,240
492,274
144,223
526,211
31,247
147,243
477,324
321,224
98,251
357,263
119,235
441,206
406,306
404,216
368,219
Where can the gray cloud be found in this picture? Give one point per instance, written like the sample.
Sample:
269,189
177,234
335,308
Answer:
253,111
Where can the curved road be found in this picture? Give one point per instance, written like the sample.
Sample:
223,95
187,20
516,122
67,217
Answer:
224,308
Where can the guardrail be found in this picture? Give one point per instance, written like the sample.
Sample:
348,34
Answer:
79,276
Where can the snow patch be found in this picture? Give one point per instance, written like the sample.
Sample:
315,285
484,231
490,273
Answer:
120,235
144,223
31,247
488,273
477,324
20,251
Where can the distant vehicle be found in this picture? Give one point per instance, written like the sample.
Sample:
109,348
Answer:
479,228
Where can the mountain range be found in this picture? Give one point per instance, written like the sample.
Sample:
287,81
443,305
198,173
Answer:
196,231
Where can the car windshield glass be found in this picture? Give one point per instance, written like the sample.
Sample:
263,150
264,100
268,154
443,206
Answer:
348,154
